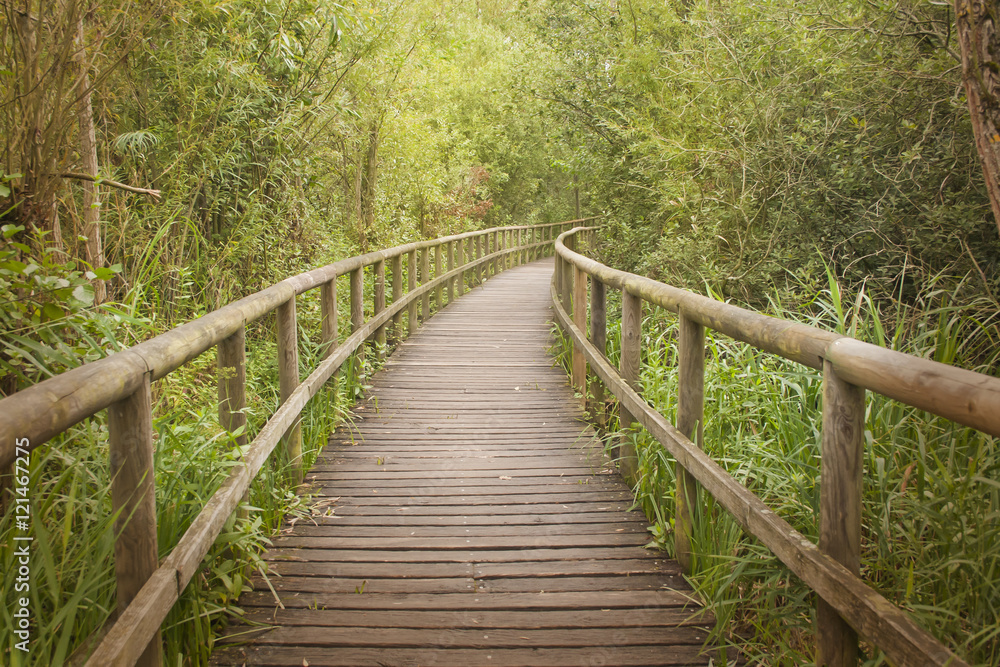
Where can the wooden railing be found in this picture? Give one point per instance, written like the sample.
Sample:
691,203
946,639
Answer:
847,607
120,383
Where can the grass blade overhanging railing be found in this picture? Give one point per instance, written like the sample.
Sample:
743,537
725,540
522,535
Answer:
147,590
831,569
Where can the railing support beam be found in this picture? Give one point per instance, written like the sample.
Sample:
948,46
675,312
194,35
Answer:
629,369
358,311
378,306
690,418
842,456
580,319
133,498
288,380
599,338
411,284
397,294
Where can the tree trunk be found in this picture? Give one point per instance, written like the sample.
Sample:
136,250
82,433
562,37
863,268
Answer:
88,156
975,22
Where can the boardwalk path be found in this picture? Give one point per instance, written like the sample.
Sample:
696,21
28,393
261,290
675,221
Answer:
475,522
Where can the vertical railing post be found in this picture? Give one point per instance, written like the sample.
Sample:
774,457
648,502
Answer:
425,273
629,370
358,306
460,260
288,380
567,276
599,338
496,248
690,419
451,266
133,499
841,460
397,294
580,320
328,313
478,256
378,306
231,363
558,276
411,285
232,377
439,291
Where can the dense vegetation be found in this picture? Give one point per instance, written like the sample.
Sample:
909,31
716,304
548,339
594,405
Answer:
761,151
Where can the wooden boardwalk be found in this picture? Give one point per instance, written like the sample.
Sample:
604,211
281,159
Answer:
471,519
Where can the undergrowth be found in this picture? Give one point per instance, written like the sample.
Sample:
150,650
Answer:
72,594
931,535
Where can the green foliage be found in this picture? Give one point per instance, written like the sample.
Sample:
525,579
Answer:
730,144
930,541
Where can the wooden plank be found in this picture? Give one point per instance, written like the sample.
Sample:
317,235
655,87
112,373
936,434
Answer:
656,617
356,636
468,474
542,602
442,656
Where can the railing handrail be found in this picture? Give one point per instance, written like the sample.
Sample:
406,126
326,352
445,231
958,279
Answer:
42,411
963,396
829,570
147,590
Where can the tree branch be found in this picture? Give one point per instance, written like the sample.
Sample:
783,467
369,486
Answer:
154,194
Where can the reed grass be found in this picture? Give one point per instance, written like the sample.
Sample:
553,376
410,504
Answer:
931,522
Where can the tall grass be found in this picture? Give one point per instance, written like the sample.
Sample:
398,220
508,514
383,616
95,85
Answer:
931,522
72,556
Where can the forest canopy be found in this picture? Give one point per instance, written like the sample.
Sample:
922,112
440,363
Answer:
163,158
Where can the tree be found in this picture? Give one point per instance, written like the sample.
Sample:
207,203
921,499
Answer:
976,23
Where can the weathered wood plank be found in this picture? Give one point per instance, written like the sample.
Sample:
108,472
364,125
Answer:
468,477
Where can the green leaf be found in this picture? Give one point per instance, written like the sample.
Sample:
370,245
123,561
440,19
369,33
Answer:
10,230
84,294
52,312
4,190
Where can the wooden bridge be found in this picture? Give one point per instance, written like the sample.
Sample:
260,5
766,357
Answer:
477,515
471,517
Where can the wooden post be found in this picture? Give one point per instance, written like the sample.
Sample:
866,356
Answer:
411,285
690,418
451,266
397,294
133,498
460,260
478,255
841,458
496,248
425,272
629,369
580,320
378,306
232,377
358,311
567,276
288,380
439,291
599,338
558,275
328,310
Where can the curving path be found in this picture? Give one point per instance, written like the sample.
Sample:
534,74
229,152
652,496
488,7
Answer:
471,519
